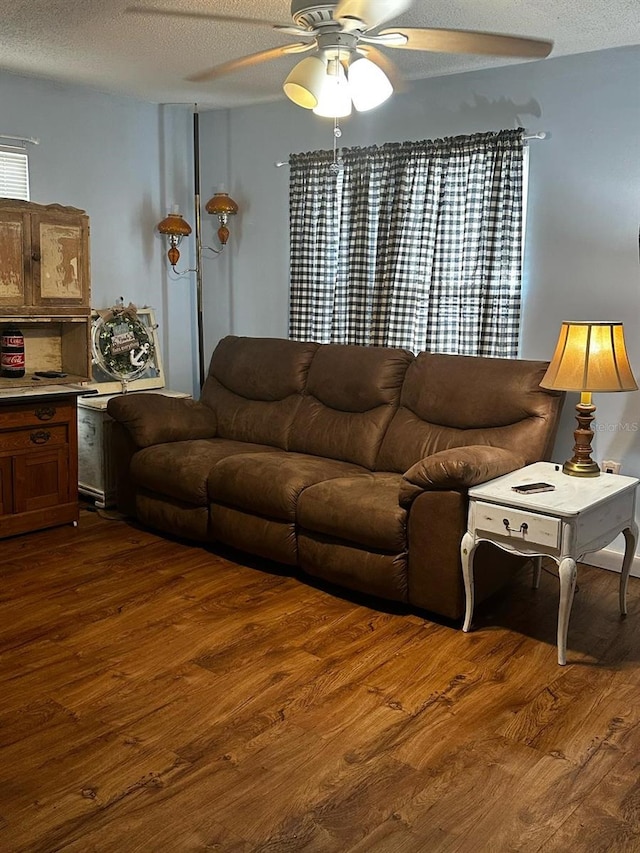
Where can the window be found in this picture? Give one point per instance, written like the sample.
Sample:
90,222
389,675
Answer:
14,174
415,245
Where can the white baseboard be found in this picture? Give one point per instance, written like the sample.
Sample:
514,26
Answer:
611,560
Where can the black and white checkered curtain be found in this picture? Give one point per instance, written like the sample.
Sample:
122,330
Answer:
415,245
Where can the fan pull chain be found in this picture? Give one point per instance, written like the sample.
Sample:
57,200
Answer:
337,133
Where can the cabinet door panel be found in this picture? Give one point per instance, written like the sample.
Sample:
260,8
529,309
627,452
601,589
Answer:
60,262
15,260
6,503
41,479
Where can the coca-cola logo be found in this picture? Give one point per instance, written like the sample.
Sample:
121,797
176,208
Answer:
12,359
13,341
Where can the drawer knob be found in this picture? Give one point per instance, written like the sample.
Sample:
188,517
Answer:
522,529
41,436
45,413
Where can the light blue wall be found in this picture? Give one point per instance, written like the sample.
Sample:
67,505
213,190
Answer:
583,215
115,158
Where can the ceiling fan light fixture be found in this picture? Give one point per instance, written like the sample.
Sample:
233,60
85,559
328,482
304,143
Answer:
335,97
305,82
368,84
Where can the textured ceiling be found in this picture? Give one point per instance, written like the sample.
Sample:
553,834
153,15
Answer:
99,44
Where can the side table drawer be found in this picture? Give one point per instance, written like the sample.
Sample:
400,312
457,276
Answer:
518,525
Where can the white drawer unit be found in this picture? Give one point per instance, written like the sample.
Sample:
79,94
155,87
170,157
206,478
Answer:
578,516
96,469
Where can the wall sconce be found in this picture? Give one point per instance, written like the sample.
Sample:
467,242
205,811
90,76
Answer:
222,206
175,227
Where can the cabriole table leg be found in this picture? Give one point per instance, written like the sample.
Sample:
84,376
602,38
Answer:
567,572
467,550
630,540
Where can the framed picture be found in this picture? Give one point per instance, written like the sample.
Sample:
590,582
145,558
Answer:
126,350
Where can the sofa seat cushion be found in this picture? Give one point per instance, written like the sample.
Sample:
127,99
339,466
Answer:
180,469
362,510
270,484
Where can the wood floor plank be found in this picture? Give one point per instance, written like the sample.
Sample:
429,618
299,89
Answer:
609,817
160,696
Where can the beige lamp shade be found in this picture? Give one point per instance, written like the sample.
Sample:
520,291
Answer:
590,357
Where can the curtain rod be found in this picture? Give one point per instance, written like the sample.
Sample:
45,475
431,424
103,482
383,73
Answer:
541,134
22,139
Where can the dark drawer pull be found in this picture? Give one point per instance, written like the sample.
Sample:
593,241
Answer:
45,413
40,437
523,527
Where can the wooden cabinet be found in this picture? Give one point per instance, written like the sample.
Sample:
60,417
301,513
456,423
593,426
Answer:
44,254
45,286
38,461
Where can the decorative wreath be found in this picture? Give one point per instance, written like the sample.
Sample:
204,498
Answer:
122,345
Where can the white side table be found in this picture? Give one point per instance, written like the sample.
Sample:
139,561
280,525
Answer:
96,468
581,515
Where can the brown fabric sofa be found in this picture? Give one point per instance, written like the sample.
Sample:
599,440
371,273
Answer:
351,463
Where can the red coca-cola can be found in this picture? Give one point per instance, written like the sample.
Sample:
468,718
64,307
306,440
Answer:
11,353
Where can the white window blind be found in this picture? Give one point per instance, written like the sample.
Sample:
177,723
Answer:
14,175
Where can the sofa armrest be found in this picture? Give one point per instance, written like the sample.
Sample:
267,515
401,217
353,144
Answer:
458,468
156,419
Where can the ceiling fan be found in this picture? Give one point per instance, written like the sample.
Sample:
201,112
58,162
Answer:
347,65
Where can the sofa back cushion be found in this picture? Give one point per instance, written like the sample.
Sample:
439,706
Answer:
452,400
254,386
352,393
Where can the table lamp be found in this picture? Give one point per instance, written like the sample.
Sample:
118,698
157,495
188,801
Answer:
589,357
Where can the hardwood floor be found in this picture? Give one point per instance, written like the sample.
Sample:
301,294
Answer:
157,698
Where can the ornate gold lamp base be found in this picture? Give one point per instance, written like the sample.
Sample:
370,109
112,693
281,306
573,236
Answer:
581,464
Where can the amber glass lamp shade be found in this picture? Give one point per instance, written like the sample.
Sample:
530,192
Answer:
222,206
175,227
589,357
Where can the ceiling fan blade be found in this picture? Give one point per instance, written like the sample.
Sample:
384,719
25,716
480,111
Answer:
201,16
292,30
390,68
373,13
464,41
249,61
